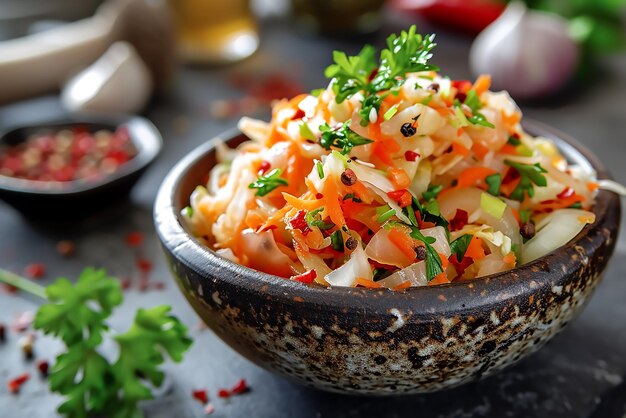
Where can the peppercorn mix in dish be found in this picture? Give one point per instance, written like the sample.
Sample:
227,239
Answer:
393,176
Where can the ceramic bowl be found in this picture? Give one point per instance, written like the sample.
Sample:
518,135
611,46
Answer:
75,199
380,342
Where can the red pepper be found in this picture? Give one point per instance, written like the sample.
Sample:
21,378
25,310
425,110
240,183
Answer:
402,197
264,167
223,393
299,222
15,384
567,192
411,155
201,395
460,266
469,16
459,221
307,277
43,366
144,265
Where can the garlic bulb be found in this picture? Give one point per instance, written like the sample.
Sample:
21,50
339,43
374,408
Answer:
527,52
119,82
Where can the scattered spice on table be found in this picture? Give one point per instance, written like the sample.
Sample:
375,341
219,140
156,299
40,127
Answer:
145,266
35,270
3,332
134,239
27,344
43,366
15,384
201,395
66,248
240,387
209,409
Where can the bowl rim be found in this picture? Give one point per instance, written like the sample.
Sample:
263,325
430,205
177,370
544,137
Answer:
452,297
145,136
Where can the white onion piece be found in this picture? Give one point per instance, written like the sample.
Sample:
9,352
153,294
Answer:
441,240
263,253
554,231
490,265
382,250
311,261
528,53
428,123
372,176
468,199
415,273
422,178
356,267
256,130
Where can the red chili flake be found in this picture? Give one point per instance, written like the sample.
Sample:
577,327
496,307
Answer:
200,395
459,221
460,266
319,196
567,192
10,289
15,384
307,277
134,239
461,85
411,155
299,222
209,409
43,366
223,393
299,114
402,197
373,74
144,284
144,265
511,174
35,270
264,167
3,333
241,386
158,285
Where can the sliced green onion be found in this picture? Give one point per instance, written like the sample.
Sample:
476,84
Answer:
320,169
336,240
392,111
524,150
317,92
306,132
494,182
385,216
189,211
492,205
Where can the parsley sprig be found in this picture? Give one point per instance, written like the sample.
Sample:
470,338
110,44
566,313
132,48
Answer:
77,314
529,174
341,137
407,53
268,182
473,102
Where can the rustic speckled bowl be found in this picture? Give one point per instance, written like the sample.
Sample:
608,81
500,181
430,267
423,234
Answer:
377,341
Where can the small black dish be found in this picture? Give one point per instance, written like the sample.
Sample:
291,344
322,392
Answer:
75,199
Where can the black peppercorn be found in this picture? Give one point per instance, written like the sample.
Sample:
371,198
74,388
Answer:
528,230
420,253
434,87
348,177
408,130
351,243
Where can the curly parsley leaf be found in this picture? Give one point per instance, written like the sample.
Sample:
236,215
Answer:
530,174
405,53
459,245
342,138
91,385
268,182
432,192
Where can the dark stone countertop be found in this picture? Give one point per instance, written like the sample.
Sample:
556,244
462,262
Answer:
581,373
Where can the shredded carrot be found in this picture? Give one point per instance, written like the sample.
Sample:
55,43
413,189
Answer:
441,278
509,258
254,220
444,260
592,186
561,203
304,204
399,178
475,249
362,192
274,220
403,242
482,84
331,201
508,149
402,286
510,120
480,150
516,215
370,284
472,176
460,149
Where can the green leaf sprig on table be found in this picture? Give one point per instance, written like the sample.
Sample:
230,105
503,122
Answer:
407,53
77,314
